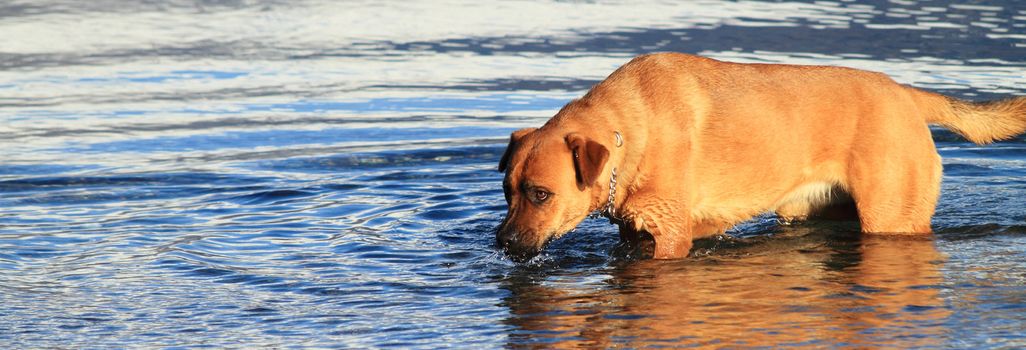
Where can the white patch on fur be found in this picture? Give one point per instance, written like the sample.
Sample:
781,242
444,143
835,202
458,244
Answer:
816,194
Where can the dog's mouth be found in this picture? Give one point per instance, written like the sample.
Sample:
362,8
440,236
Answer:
512,246
523,254
521,257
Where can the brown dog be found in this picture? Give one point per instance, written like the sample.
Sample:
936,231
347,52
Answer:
681,147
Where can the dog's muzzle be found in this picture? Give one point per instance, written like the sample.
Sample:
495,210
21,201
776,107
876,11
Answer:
511,242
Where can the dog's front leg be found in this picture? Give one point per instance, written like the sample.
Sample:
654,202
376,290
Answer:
665,221
672,243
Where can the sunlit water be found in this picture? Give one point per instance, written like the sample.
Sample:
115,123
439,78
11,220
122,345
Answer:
264,173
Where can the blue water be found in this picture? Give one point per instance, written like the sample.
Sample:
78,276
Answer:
321,174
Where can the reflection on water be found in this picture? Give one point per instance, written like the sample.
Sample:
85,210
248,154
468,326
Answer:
877,291
320,173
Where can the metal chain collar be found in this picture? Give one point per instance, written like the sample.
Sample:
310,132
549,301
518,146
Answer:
610,209
611,204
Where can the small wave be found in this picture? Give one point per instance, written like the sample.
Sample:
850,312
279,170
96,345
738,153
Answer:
271,197
363,161
974,232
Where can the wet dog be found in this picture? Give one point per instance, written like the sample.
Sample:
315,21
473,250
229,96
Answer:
680,147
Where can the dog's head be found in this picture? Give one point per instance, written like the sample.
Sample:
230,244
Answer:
550,186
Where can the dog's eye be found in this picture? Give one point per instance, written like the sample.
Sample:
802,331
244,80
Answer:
540,196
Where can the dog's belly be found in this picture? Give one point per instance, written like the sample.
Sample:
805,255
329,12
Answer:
792,192
815,194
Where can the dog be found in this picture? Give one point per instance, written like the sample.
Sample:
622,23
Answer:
676,147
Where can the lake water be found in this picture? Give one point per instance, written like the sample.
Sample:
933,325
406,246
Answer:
322,174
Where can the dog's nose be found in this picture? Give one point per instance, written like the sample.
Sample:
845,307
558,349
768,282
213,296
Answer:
505,240
509,243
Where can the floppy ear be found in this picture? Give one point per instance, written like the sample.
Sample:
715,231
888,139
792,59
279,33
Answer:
514,142
589,158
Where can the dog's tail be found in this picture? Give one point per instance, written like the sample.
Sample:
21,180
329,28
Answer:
979,122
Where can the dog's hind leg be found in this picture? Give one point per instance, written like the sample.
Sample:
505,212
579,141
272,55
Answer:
896,191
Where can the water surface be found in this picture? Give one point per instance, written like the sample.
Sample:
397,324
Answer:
313,173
